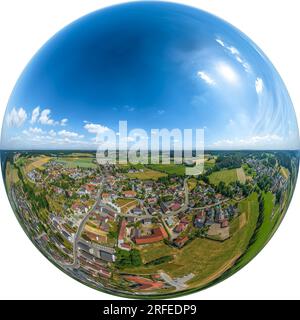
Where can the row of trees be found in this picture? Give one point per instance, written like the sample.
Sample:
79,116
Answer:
38,199
229,190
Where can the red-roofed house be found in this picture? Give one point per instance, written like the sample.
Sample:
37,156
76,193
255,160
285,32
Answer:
129,194
122,232
175,206
180,242
157,235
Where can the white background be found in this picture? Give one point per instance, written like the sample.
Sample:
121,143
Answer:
26,25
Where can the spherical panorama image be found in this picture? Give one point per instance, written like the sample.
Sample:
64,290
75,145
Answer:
150,150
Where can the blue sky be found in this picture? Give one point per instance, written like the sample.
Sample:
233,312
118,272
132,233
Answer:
156,65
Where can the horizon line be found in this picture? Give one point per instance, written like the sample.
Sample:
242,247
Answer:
149,151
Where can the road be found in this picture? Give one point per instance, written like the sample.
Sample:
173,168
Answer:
212,205
75,263
177,284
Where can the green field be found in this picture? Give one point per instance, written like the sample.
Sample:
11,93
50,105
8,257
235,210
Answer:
209,162
260,237
156,251
207,259
265,231
74,162
227,176
171,169
147,174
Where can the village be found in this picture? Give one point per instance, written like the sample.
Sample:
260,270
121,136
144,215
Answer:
98,220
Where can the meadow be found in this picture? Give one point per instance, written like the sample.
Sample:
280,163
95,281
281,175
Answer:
146,174
74,162
227,176
170,169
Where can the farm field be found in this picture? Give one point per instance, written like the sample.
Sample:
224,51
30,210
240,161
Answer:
171,169
36,163
11,175
146,174
192,183
241,175
227,176
265,230
74,162
284,172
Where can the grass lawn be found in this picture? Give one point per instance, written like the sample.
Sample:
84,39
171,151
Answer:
123,202
227,176
206,259
126,204
147,174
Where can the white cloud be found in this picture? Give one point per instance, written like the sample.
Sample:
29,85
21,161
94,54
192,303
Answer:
256,142
95,128
236,54
220,42
259,85
234,51
69,134
35,114
63,122
16,117
129,108
36,131
246,67
45,118
52,133
204,76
